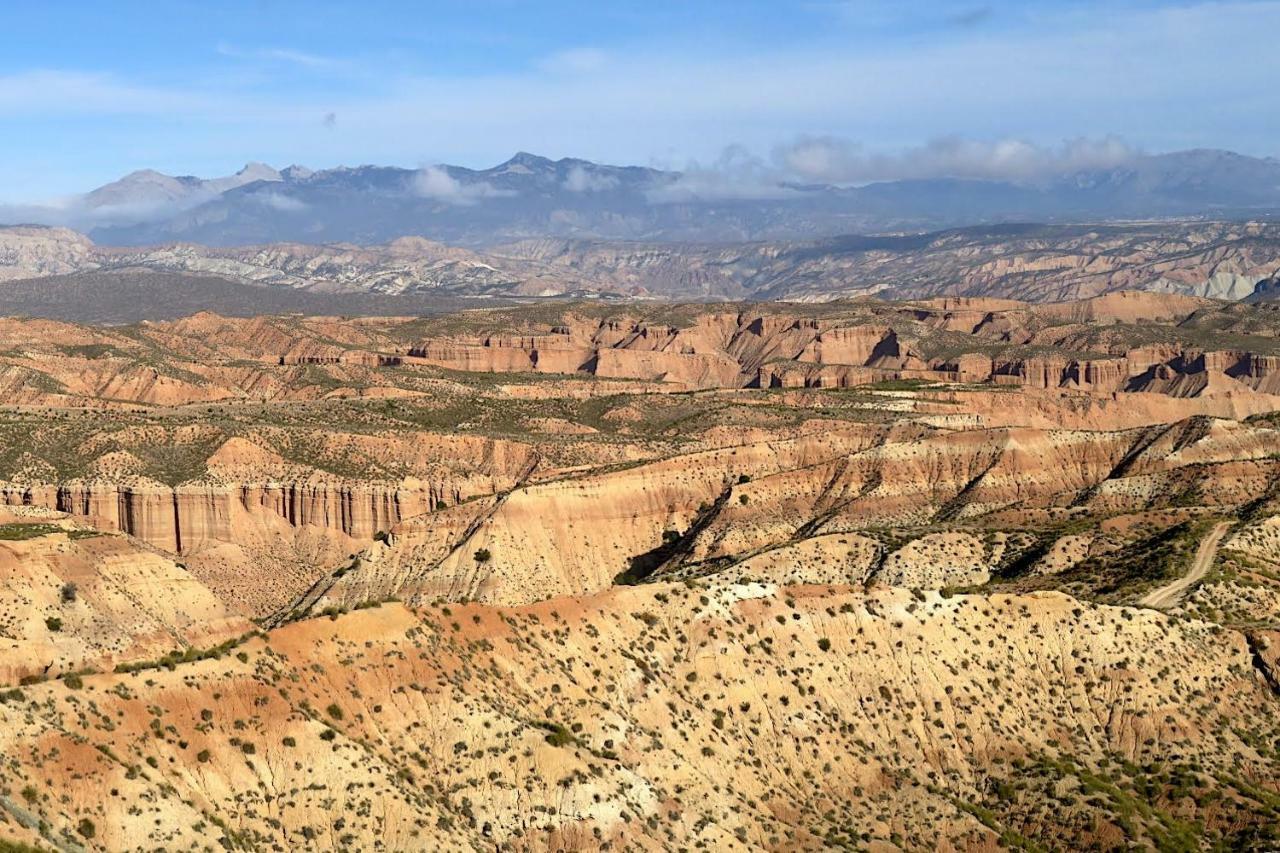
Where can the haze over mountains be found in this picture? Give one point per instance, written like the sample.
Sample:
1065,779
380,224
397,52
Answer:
533,196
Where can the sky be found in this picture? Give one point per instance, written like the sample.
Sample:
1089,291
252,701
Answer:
90,91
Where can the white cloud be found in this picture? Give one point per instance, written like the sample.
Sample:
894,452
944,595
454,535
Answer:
436,183
1160,78
280,201
279,54
579,180
52,92
735,174
841,161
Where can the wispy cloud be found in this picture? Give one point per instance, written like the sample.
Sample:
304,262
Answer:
286,55
1160,77
280,201
435,182
735,174
579,180
830,159
60,92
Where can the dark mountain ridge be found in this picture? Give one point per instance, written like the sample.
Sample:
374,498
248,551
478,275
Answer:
529,196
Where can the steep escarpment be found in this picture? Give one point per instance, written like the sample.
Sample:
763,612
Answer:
1120,343
182,518
575,534
580,534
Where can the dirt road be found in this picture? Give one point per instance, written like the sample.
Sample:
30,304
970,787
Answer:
1169,593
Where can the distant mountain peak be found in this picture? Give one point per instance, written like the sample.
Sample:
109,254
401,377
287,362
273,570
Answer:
530,196
524,163
255,169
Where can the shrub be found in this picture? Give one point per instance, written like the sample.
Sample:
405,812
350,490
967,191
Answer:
86,828
53,623
73,680
824,644
482,555
557,735
69,592
334,711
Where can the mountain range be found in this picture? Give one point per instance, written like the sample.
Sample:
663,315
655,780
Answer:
530,196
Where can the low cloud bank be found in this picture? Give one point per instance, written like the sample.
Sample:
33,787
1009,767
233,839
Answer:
435,182
836,161
827,159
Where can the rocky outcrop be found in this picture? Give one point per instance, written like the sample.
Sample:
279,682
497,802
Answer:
33,251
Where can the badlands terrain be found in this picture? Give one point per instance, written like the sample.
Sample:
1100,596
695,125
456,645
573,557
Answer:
952,573
61,274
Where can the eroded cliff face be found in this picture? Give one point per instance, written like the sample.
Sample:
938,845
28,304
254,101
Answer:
723,350
181,518
1118,343
578,535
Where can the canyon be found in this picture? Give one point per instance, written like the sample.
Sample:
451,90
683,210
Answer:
545,577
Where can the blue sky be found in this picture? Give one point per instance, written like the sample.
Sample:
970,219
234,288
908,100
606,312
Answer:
89,91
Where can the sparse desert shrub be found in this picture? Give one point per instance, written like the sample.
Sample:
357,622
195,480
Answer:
69,592
482,555
557,735
53,623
